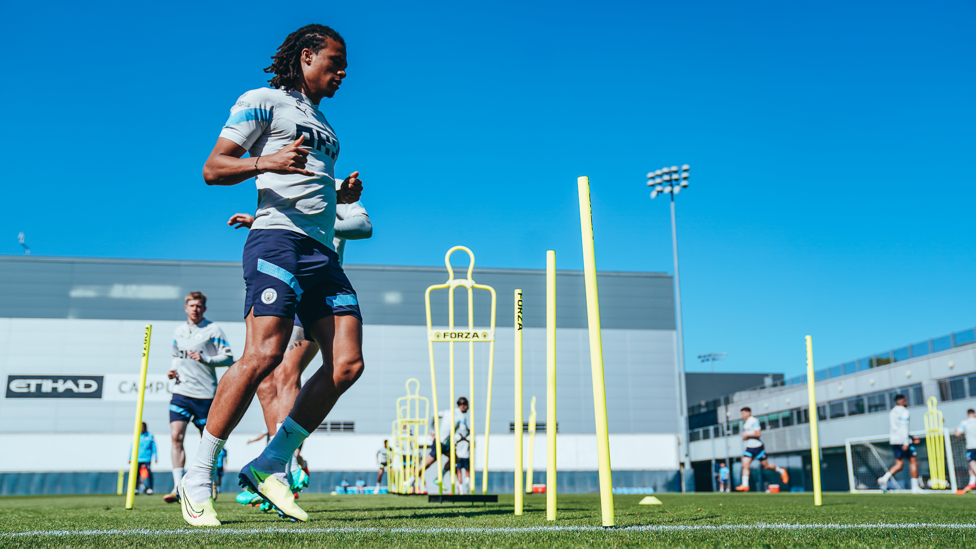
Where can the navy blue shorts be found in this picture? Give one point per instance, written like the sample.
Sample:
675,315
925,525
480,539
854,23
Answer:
445,451
462,463
195,410
904,454
971,455
287,273
758,452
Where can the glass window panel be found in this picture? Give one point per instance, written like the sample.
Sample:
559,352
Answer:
706,433
850,368
762,423
786,419
957,388
901,354
798,380
920,349
914,394
855,406
940,344
944,394
864,364
803,416
773,421
972,386
735,428
836,409
717,431
695,435
877,402
820,375
881,359
965,337
836,371
822,412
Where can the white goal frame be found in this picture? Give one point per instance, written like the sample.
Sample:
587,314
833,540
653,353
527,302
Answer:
950,461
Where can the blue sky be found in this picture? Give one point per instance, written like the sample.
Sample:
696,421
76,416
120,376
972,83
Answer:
831,145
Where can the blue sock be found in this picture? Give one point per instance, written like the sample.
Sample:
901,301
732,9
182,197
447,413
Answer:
288,438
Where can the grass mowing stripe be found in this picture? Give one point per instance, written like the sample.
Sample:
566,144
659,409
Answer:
525,530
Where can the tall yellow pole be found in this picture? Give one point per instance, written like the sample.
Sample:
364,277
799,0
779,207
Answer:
814,440
519,493
596,350
551,385
134,467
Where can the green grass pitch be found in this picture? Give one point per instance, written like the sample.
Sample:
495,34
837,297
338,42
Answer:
727,520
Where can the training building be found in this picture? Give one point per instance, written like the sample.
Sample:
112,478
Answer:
71,337
853,404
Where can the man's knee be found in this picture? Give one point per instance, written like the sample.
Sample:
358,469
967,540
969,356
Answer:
256,365
348,370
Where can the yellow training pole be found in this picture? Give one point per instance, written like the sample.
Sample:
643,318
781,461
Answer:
121,483
596,350
551,385
530,474
935,443
134,467
814,440
471,461
519,494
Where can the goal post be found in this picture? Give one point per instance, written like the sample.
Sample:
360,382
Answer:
868,458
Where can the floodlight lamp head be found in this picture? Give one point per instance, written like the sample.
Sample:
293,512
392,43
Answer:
667,188
666,177
684,183
659,189
685,175
658,180
650,175
674,169
685,167
657,173
676,189
653,195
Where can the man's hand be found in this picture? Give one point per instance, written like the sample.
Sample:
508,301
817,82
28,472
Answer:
241,221
195,355
290,159
904,447
915,440
172,374
350,189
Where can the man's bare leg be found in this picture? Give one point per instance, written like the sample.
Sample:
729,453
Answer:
267,337
267,394
744,486
771,467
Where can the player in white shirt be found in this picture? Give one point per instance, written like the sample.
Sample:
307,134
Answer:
199,347
289,260
462,453
754,449
967,428
382,458
278,391
902,444
434,441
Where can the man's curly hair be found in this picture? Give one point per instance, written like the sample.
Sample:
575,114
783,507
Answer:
286,64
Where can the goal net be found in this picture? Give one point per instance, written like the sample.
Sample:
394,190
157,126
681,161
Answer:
868,458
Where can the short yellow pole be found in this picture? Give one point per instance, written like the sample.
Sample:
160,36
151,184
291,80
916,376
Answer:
134,466
519,493
121,482
596,350
814,440
551,385
530,473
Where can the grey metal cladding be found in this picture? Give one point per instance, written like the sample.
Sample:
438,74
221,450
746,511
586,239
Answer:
35,287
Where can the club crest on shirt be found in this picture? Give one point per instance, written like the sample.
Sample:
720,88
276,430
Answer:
269,296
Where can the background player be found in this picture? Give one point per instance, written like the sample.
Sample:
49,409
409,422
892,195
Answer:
902,445
290,265
199,347
967,428
278,391
723,477
444,419
382,458
147,454
751,431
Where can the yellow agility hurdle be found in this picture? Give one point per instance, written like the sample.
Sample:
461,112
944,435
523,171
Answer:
451,336
935,442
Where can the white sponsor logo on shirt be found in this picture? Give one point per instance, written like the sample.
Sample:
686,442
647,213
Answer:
269,296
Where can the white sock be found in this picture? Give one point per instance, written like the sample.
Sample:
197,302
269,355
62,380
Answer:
177,476
745,479
277,428
293,464
288,438
914,483
780,470
885,478
199,478
972,479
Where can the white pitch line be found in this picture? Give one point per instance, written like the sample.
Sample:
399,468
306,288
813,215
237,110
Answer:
524,530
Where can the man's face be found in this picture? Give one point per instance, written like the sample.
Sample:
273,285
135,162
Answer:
901,402
463,408
194,310
324,70
746,414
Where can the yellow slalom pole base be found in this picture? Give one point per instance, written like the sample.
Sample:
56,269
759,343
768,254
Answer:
814,439
596,350
134,468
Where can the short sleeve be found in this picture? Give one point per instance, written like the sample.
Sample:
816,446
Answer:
249,117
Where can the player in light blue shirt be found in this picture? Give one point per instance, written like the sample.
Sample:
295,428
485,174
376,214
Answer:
147,454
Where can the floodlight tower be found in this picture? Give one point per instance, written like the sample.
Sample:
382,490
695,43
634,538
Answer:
670,181
711,358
